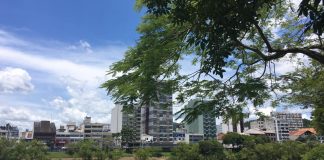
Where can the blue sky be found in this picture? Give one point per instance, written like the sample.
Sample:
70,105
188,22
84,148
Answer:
54,54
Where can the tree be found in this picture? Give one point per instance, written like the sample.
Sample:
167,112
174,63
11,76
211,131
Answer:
127,135
234,139
306,123
221,32
142,154
305,88
219,36
12,150
88,149
315,154
211,150
186,152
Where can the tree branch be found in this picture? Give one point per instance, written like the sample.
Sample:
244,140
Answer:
264,38
278,53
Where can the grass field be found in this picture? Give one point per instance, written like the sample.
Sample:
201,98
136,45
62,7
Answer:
58,155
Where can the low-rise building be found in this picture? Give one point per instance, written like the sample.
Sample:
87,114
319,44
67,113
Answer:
45,131
301,133
8,131
178,137
257,132
279,122
26,135
98,132
191,138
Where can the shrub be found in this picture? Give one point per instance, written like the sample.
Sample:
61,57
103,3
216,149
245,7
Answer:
316,153
142,154
186,152
212,150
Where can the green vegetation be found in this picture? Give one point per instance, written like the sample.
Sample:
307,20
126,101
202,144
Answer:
305,87
142,154
58,155
211,150
13,150
233,45
316,153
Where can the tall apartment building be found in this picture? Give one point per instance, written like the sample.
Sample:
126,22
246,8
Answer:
151,120
130,119
157,120
285,121
204,124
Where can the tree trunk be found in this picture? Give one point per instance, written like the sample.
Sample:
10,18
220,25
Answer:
234,124
242,123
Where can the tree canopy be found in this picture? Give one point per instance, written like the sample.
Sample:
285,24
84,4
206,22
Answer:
233,45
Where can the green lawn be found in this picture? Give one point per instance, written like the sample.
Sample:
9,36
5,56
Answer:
58,155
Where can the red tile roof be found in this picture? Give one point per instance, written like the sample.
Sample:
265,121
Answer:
302,131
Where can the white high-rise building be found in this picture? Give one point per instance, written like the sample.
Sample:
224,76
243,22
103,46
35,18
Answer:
226,127
155,120
116,119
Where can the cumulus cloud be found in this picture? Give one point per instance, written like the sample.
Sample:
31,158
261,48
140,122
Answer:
15,80
21,116
84,100
67,82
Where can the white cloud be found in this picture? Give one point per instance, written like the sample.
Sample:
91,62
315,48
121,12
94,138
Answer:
86,46
80,76
58,67
83,100
15,80
21,116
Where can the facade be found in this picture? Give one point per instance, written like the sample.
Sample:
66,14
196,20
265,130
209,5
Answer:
179,127
64,138
191,138
93,130
178,137
130,119
157,120
67,135
286,123
226,127
26,135
257,132
116,119
8,131
204,124
154,120
45,131
99,132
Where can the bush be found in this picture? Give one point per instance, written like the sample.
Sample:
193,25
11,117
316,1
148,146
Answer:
316,153
13,150
115,154
186,152
142,154
212,150
156,152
